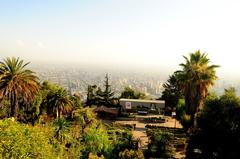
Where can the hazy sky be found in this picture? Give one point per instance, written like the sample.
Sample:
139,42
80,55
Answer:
121,32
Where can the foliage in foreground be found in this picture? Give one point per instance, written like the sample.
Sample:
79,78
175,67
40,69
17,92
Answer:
218,135
62,139
161,144
131,154
96,141
23,141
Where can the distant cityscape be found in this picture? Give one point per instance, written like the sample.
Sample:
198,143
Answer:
76,80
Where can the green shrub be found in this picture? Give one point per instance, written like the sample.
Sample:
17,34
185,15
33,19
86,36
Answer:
96,141
180,109
161,145
159,119
125,126
23,141
92,156
186,121
132,154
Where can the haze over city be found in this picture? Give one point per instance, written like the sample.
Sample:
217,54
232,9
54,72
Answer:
118,79
150,34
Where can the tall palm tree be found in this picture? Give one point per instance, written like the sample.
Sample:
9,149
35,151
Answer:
59,101
17,83
195,78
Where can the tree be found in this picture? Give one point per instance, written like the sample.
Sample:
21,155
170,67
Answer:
85,117
59,101
46,88
77,102
218,135
172,91
97,96
129,93
91,95
195,79
29,113
105,97
62,129
17,83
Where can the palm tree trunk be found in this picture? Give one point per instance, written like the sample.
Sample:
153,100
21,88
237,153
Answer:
194,115
57,113
60,114
13,104
192,120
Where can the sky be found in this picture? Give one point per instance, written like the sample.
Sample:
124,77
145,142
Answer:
125,33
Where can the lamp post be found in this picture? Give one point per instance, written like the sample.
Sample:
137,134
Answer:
174,116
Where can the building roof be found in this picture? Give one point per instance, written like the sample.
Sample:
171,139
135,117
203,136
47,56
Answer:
142,101
106,110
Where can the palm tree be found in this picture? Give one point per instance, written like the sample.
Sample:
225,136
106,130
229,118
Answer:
77,102
17,83
62,130
195,79
59,101
85,117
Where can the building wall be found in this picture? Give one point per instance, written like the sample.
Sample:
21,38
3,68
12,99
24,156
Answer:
129,105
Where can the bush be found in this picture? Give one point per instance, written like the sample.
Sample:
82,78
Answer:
96,141
125,126
92,156
155,119
161,145
180,109
23,141
186,121
218,133
126,154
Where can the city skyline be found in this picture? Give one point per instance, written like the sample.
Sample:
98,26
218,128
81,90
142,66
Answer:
145,34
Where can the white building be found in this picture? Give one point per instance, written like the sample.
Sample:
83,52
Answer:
142,106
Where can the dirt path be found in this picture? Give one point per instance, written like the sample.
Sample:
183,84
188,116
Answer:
140,130
138,133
